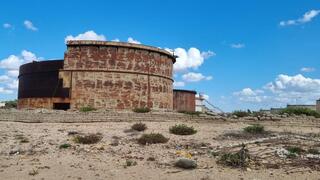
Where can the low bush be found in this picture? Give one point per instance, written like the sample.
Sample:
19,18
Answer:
10,104
239,159
141,110
182,129
64,146
192,113
254,129
241,113
87,139
294,150
300,111
313,151
152,138
87,109
130,162
139,127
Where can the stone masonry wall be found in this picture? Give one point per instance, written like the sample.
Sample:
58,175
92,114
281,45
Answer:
117,75
40,102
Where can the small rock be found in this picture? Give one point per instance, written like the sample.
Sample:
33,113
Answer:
72,133
15,151
115,142
186,163
151,159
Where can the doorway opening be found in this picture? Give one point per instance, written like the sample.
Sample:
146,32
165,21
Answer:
61,106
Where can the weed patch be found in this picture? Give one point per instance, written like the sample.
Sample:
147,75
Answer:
139,127
182,129
87,139
152,138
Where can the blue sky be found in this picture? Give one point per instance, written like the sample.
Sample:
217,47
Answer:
244,54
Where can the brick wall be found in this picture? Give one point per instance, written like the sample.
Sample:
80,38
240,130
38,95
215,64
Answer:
117,75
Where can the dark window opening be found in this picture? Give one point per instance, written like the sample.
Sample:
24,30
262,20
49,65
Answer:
61,106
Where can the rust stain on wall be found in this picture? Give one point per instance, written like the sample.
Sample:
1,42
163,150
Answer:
112,75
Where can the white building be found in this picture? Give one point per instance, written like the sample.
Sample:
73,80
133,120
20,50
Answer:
2,104
200,105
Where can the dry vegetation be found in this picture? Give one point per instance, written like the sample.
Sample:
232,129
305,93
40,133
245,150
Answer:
288,149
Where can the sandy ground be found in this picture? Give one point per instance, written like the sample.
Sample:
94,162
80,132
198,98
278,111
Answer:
40,157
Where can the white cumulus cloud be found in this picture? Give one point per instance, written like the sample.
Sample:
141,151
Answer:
89,35
13,73
7,26
116,40
297,83
195,77
4,78
5,91
178,84
191,58
13,62
10,65
283,90
307,69
237,45
13,84
29,25
307,17
133,41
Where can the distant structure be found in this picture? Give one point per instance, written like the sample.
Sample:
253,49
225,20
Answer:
184,100
315,107
204,106
311,107
200,104
103,75
2,104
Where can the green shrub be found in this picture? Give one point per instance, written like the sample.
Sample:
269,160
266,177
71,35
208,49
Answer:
87,109
152,138
139,127
300,111
141,110
64,146
313,151
87,139
182,129
11,104
130,162
294,150
254,129
241,113
192,113
257,114
239,159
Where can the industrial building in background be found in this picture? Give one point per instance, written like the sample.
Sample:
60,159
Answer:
103,75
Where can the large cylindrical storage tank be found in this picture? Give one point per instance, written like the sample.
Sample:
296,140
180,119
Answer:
116,75
40,86
184,100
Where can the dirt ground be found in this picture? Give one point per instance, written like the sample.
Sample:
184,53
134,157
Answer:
31,151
